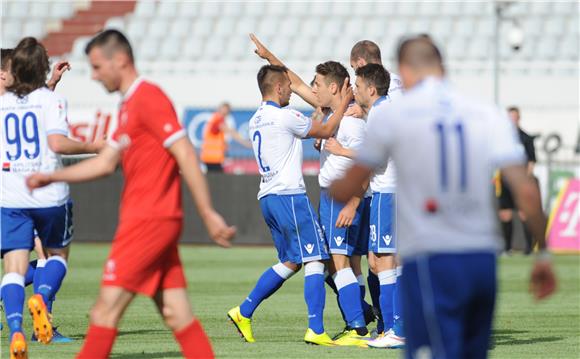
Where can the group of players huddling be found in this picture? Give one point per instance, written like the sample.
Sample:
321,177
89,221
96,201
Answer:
444,145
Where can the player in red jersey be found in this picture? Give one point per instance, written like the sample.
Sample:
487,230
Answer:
152,148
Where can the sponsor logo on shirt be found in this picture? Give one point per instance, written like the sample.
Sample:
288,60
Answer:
6,167
309,248
110,268
338,240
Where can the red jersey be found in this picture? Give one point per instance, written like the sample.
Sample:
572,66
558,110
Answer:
147,126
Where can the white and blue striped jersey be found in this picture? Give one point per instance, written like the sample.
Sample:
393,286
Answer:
276,135
25,124
446,148
350,134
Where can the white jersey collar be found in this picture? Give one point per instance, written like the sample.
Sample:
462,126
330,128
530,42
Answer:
133,87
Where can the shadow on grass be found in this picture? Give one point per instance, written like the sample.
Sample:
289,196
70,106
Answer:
142,355
518,337
143,331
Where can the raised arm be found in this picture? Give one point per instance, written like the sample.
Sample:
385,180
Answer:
99,166
297,85
327,129
58,70
184,154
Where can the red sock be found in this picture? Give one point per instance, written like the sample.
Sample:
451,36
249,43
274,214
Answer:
193,341
98,343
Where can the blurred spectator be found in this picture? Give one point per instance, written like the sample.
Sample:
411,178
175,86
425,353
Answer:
506,202
214,145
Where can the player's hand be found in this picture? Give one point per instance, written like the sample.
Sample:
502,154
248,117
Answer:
346,216
37,180
333,147
57,71
346,91
317,144
542,279
260,50
354,110
218,230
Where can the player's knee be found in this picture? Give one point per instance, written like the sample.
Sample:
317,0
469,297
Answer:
176,319
295,267
104,314
312,268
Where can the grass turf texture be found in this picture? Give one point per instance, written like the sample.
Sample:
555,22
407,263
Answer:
220,279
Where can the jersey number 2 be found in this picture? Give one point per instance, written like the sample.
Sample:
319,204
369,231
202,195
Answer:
258,135
442,130
17,130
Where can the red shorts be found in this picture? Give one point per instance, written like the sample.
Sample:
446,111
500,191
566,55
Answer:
144,257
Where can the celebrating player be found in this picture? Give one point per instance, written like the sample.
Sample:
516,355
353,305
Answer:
276,132
153,149
34,136
340,222
446,148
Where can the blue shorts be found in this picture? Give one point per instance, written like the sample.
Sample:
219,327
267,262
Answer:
448,302
383,220
362,247
53,225
342,240
294,227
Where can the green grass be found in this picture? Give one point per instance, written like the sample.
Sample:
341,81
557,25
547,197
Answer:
220,279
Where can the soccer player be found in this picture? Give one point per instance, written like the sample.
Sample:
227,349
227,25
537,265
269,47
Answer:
34,136
383,265
446,147
153,149
276,132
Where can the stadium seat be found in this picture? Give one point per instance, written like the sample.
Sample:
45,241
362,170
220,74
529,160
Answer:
214,48
406,8
180,27
554,26
442,29
342,9
170,48
533,26
364,8
541,7
289,25
78,50
485,27
225,26
474,8
428,8
547,48
33,27
268,26
148,49
167,9
246,25
417,26
233,9
320,8
332,28
299,8
210,8
158,28
311,27
376,28
61,10
136,28
18,10
465,27
568,48
451,8
321,50
254,9
115,23
354,27
301,49
39,9
188,10
565,8
192,48
203,26
385,8
145,9
280,46
237,47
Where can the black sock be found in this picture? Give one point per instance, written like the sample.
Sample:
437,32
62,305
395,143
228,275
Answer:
507,228
362,331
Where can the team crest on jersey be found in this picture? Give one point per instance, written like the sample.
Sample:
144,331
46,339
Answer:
387,238
338,240
309,248
22,100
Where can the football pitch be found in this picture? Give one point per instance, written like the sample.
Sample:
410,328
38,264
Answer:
220,279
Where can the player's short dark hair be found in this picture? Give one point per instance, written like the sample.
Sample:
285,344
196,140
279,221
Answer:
111,41
268,76
5,57
366,50
333,72
514,109
377,76
29,66
419,51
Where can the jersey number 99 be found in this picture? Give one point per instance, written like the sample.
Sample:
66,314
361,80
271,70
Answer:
22,136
